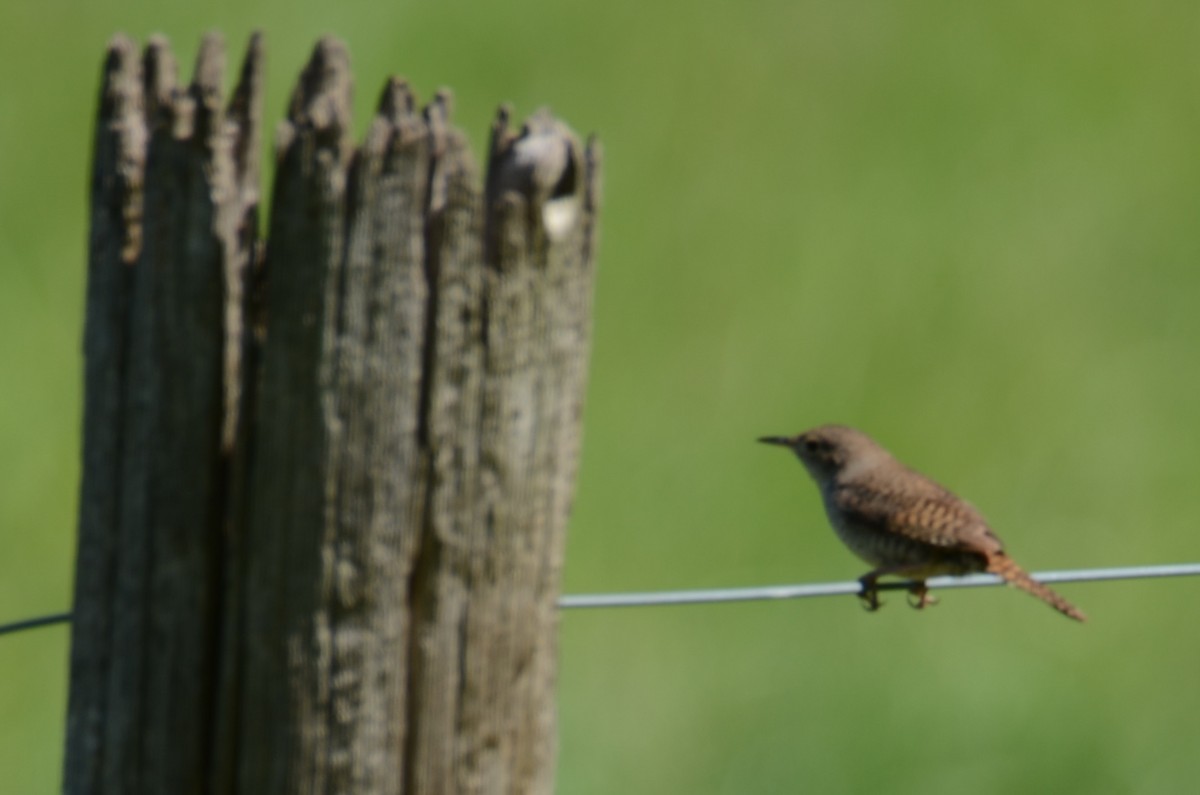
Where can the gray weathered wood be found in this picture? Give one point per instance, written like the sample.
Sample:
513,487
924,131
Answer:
325,490
488,574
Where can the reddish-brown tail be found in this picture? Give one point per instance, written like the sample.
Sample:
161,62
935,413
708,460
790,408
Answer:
1006,567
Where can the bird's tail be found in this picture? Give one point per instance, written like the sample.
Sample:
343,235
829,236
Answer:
1006,567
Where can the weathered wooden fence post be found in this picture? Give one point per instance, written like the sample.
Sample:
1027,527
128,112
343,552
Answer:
326,478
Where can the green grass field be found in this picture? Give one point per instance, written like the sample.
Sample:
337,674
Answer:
973,231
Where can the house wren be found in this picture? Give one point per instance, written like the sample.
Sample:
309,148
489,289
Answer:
900,521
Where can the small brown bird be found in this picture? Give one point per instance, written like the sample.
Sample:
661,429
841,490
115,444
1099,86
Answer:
900,521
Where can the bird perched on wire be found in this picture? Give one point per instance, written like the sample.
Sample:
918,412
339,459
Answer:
901,522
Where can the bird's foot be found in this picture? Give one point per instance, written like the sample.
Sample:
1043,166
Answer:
923,597
869,594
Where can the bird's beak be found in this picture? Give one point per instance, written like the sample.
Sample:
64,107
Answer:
780,440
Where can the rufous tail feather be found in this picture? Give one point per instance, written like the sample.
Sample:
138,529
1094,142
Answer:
1004,566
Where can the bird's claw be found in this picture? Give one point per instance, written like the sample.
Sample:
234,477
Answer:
923,597
869,595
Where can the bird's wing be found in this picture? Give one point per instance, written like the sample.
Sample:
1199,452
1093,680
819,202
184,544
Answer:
924,512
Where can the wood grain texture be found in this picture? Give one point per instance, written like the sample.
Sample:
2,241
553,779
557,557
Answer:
150,569
118,162
326,478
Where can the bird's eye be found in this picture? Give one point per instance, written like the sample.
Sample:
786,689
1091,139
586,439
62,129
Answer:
812,445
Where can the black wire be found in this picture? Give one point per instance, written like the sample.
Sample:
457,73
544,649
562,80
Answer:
34,623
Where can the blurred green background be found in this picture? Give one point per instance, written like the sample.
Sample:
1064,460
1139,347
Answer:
971,229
